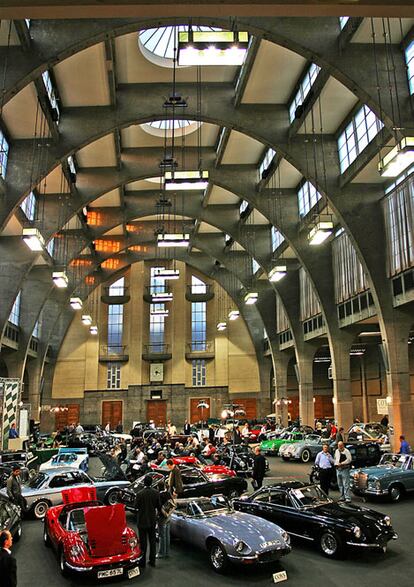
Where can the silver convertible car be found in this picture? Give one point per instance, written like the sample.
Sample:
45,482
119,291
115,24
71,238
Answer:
45,489
229,536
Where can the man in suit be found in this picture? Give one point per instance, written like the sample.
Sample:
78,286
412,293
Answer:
7,561
187,428
175,482
14,487
148,506
259,468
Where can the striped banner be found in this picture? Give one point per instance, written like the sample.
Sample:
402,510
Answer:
9,401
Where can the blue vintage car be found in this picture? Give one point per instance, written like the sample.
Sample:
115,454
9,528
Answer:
392,477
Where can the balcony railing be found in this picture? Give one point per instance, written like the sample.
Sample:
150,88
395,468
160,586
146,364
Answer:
118,295
33,346
151,290
113,353
200,349
199,293
158,351
11,336
356,309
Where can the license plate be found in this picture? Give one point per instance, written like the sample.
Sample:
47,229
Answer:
110,573
279,577
133,573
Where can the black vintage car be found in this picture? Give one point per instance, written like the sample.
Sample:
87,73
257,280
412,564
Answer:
364,454
24,458
195,484
306,512
10,519
239,458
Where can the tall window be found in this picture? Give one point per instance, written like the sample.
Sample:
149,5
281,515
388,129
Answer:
157,284
198,326
36,329
157,329
304,89
4,154
361,130
409,58
113,376
342,21
309,303
198,286
117,288
277,238
115,327
243,208
349,276
50,247
29,206
14,317
308,197
267,161
50,90
199,372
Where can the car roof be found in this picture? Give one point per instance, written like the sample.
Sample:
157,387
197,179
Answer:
53,471
294,484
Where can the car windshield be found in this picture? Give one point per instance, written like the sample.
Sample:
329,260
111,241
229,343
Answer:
13,457
286,435
208,507
138,484
65,458
308,497
397,461
313,438
37,481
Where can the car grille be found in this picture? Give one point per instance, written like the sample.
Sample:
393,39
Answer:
270,555
360,480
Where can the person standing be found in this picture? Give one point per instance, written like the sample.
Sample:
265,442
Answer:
148,507
79,428
324,460
343,460
119,429
259,468
14,487
175,482
404,446
13,431
108,428
167,507
8,567
339,437
187,428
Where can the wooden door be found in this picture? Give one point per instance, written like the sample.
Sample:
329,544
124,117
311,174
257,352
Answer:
293,408
198,414
323,406
112,413
70,416
247,404
157,411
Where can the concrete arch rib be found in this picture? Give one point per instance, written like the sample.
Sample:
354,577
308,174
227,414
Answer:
53,41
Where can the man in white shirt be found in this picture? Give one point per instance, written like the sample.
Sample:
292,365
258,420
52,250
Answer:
79,428
343,460
172,430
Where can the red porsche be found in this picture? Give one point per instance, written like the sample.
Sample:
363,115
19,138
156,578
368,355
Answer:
90,538
209,469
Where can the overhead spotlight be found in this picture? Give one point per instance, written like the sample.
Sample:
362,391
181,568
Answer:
33,239
86,319
186,180
168,163
93,330
173,240
221,325
76,303
158,298
60,279
251,298
175,101
154,311
233,314
320,232
398,159
278,272
166,273
212,47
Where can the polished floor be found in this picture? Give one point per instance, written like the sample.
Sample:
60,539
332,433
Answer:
305,566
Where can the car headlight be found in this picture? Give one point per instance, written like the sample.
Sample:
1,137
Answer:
286,537
240,546
75,550
386,520
133,542
357,531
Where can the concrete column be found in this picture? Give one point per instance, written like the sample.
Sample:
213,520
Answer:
280,366
341,370
305,357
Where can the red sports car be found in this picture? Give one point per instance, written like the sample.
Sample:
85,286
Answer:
210,469
91,538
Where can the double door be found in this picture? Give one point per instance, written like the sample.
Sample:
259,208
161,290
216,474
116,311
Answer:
112,413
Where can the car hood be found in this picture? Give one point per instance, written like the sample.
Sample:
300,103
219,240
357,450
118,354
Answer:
349,514
380,471
240,526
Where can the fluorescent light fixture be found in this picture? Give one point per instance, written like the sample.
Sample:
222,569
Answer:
234,314
60,279
277,273
173,240
251,298
33,239
76,303
398,159
159,312
212,47
221,325
166,273
93,330
186,180
320,232
161,297
86,319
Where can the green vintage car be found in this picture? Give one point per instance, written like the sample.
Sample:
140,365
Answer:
272,445
392,477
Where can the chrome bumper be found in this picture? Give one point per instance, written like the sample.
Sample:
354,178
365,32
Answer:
373,545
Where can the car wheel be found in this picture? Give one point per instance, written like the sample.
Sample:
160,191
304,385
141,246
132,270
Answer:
305,456
18,533
395,493
46,539
112,497
233,494
40,508
330,544
62,563
218,557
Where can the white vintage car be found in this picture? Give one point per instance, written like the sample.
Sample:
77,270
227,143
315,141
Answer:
68,457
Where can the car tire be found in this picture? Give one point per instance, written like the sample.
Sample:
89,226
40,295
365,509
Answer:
112,497
40,508
62,563
305,456
395,493
218,557
330,544
233,494
18,533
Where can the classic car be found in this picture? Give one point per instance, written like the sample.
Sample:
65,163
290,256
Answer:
239,457
370,432
229,536
195,484
90,538
10,519
392,477
304,451
363,454
272,445
306,512
207,467
25,458
44,489
92,442
6,471
68,457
